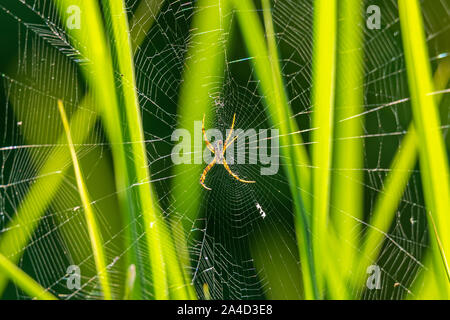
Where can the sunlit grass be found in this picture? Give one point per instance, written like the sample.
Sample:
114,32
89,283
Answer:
91,220
93,45
23,280
40,195
265,61
346,198
323,86
200,77
432,153
326,189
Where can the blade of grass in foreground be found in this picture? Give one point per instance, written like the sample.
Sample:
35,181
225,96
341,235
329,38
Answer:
202,76
24,281
394,185
94,231
41,193
152,224
91,42
266,63
347,187
432,155
26,219
159,241
429,284
323,86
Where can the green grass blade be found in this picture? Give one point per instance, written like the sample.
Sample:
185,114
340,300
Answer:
395,184
154,226
347,189
94,232
99,75
323,85
387,202
432,154
24,281
104,87
266,64
43,191
33,206
200,79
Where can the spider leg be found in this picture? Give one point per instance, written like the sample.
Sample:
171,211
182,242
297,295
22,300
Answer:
208,144
203,176
225,164
229,143
231,131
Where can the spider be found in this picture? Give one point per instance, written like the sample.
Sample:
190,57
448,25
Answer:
219,151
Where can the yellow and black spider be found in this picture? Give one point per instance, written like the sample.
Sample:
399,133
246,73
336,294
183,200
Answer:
219,152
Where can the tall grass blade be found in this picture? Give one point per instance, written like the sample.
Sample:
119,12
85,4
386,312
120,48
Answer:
297,166
202,77
156,232
432,154
38,198
347,189
156,238
42,192
99,75
395,184
94,232
24,281
323,86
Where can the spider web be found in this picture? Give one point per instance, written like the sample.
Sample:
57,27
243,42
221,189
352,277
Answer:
241,243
